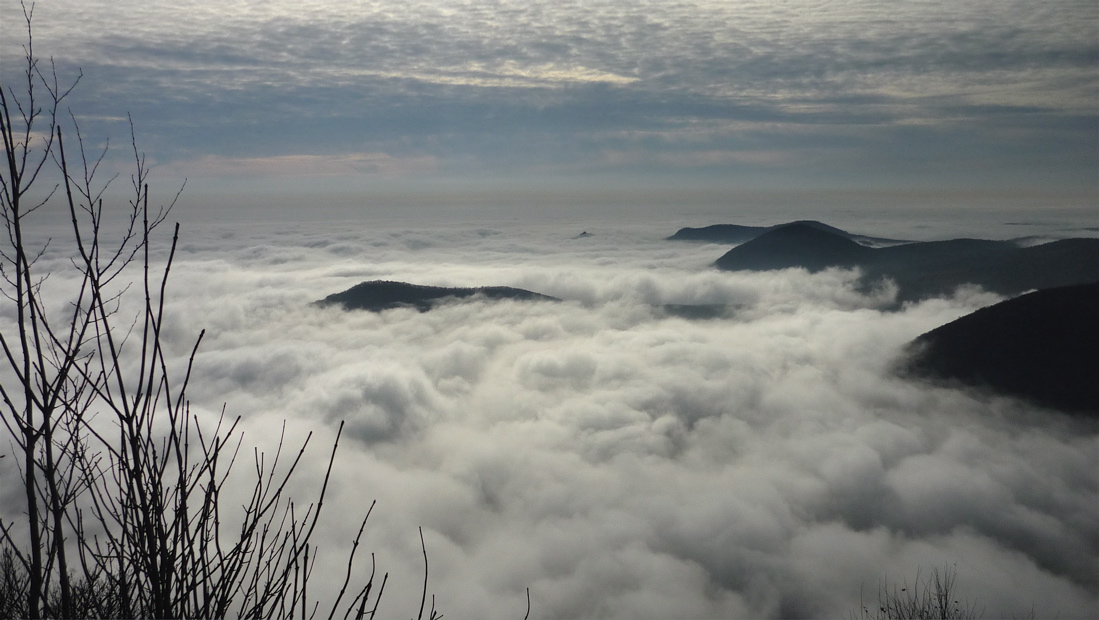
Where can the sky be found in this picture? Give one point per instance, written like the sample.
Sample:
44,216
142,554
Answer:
525,97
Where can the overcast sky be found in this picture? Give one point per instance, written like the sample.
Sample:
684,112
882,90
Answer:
848,94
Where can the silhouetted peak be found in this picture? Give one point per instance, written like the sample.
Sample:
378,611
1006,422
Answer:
736,233
1040,346
921,269
799,244
378,295
809,230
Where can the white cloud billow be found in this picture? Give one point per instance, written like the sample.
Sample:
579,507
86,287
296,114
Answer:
622,462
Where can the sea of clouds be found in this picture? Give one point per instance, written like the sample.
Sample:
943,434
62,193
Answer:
612,457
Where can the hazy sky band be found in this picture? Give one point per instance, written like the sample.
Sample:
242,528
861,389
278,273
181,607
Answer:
808,93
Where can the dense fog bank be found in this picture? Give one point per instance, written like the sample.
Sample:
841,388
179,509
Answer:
621,461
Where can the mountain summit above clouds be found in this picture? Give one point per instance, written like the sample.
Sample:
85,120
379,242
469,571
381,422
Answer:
923,269
735,233
378,295
796,245
1043,346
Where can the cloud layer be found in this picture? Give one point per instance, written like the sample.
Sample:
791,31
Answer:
622,462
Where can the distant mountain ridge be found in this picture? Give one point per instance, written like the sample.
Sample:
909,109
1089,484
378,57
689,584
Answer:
735,233
1043,347
795,245
923,269
378,295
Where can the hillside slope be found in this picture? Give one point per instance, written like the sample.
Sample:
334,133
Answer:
1043,347
378,295
923,269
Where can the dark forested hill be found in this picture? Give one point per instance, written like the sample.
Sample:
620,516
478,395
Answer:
734,233
378,295
796,245
1043,346
923,269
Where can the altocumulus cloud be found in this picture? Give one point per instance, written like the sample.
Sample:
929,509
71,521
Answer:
623,462
563,86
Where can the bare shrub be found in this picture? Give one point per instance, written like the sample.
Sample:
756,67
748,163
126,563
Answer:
930,596
124,493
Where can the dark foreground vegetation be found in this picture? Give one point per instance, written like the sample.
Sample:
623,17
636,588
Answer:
117,497
933,596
